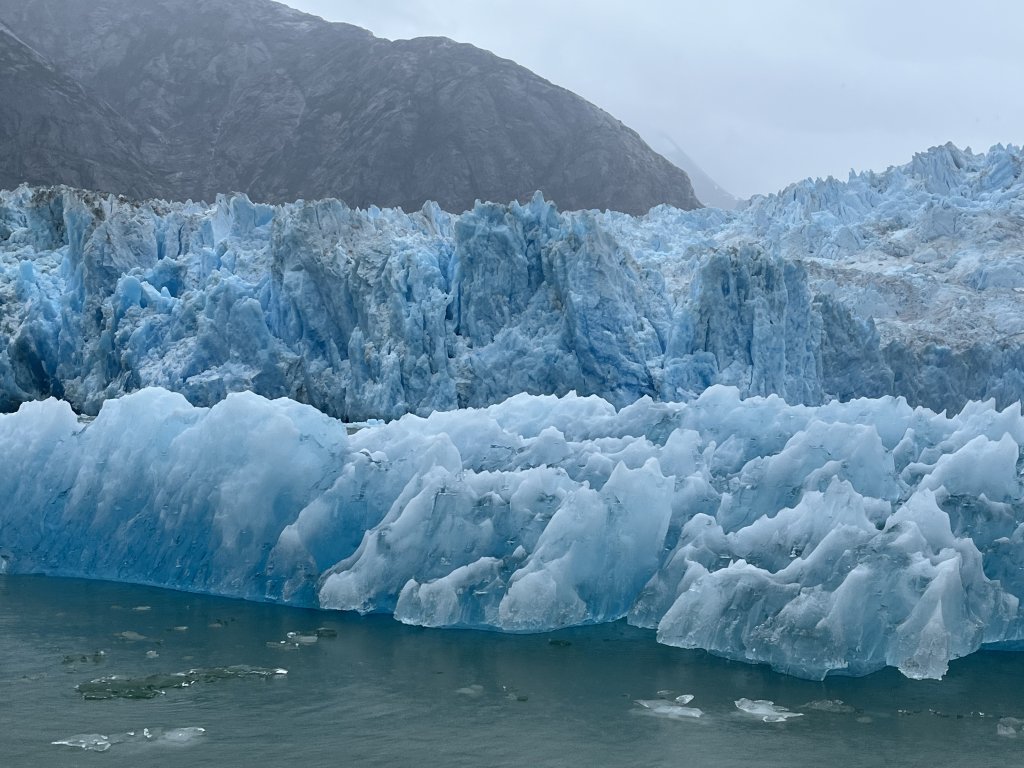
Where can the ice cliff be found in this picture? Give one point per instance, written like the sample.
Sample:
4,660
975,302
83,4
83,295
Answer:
835,538
782,434
907,282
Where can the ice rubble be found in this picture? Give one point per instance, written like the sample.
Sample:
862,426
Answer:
836,538
907,282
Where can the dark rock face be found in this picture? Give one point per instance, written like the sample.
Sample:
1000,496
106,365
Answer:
252,96
50,127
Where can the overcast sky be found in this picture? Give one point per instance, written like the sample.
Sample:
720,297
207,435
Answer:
759,93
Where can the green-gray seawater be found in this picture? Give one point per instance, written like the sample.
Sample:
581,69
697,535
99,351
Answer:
127,675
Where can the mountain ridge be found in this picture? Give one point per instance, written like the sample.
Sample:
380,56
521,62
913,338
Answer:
259,98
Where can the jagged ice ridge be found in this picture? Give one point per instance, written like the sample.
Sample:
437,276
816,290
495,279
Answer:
907,282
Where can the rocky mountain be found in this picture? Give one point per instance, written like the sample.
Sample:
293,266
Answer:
252,96
51,128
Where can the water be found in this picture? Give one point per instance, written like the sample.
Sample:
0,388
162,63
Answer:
379,693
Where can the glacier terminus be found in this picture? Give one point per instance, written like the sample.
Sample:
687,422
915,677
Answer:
788,434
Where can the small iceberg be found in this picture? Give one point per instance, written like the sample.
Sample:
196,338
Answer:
766,710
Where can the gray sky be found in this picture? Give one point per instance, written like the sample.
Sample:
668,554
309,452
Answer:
759,93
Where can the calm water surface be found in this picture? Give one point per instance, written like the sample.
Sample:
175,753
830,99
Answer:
379,693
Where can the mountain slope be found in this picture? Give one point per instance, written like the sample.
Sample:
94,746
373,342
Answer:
51,128
253,96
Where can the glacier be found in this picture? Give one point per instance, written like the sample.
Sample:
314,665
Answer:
789,434
908,282
839,538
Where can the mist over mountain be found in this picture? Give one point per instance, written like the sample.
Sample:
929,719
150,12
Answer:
707,189
187,98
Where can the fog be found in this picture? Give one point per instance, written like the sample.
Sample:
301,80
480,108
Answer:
758,94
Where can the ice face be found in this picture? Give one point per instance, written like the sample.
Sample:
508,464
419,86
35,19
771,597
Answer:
907,282
800,527
838,538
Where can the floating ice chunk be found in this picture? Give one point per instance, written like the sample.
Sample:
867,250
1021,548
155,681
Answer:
295,640
282,645
92,742
830,705
95,742
766,710
1010,727
474,691
151,686
686,698
181,735
663,708
123,687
